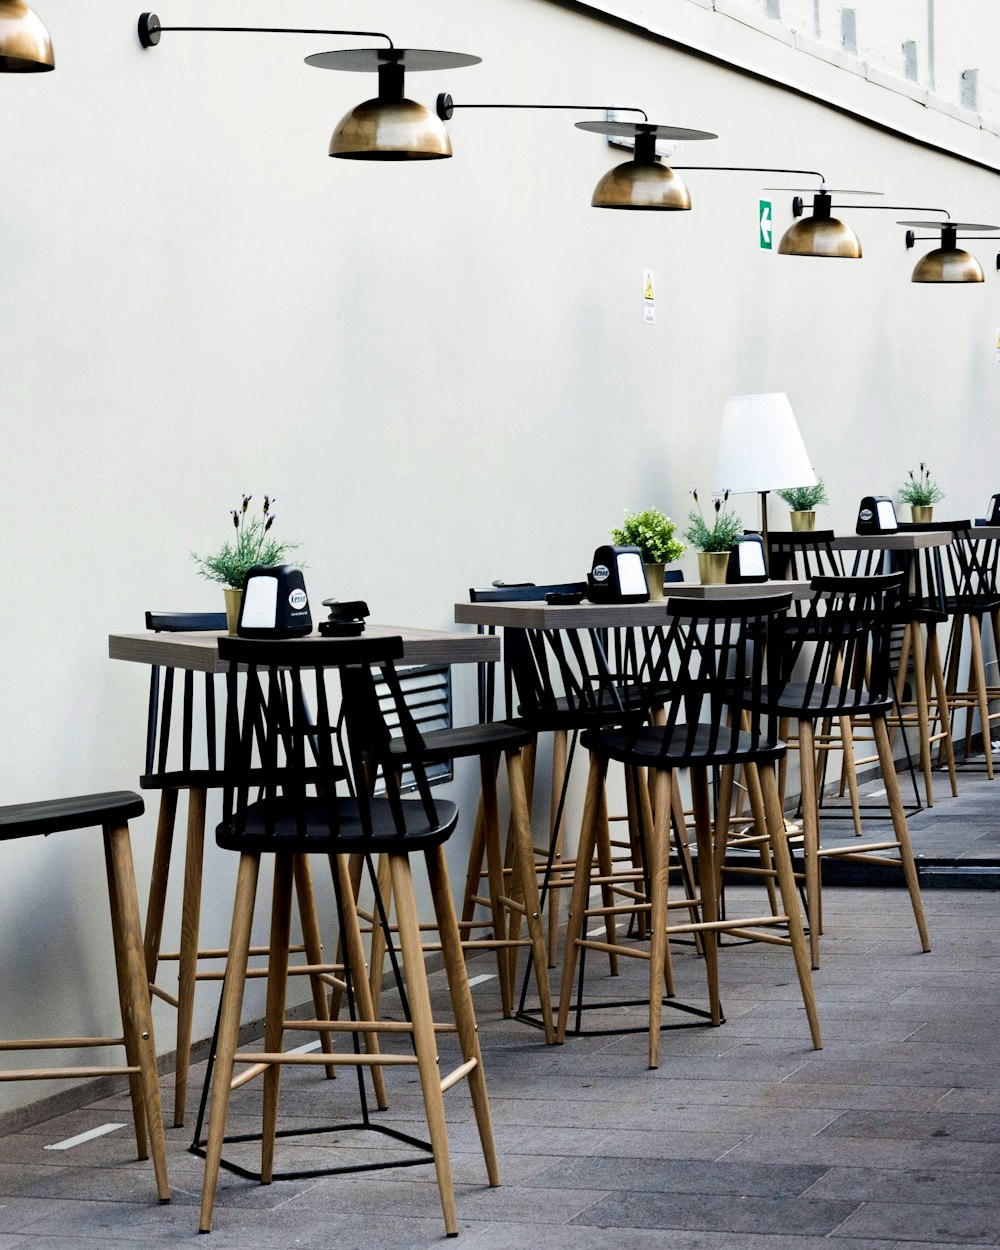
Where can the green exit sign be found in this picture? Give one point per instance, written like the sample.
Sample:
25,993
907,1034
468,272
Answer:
765,225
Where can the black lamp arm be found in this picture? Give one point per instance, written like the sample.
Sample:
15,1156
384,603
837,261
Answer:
150,30
446,107
798,205
754,169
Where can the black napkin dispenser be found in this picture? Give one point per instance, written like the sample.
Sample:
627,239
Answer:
876,515
275,603
617,575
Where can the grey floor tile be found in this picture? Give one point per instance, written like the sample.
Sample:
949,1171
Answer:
722,1213
941,1224
682,1176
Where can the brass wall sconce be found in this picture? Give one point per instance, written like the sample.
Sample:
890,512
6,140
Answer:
25,44
387,128
641,183
821,234
949,262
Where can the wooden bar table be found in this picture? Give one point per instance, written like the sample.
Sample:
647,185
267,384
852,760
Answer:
199,653
537,614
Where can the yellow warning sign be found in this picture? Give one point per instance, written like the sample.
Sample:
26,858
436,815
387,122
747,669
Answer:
649,285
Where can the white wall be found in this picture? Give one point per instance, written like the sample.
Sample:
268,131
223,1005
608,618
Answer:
441,371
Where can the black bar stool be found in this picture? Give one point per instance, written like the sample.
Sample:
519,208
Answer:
111,813
184,758
707,667
282,798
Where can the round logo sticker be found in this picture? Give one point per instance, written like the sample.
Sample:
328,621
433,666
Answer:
297,599
601,572
865,514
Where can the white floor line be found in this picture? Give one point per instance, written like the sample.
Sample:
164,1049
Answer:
304,1050
70,1142
485,976
875,794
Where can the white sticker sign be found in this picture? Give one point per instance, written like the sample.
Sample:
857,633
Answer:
648,297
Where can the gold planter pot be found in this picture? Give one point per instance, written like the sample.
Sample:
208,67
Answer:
654,580
802,521
234,598
712,566
923,514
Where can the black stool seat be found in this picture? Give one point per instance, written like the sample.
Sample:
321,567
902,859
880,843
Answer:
681,747
29,820
815,699
272,825
446,744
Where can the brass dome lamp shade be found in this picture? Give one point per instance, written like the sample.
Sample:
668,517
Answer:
640,183
25,45
643,182
820,234
949,262
390,127
387,128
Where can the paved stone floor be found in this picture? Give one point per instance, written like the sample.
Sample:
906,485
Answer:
744,1139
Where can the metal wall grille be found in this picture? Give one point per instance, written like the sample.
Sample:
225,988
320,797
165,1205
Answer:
427,694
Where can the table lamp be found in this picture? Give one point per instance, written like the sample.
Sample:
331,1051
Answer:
760,449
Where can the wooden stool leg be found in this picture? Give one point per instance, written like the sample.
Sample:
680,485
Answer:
474,870
581,888
684,851
461,1003
810,835
274,1010
657,859
137,1094
136,1014
789,898
900,828
758,809
560,742
524,874
979,684
313,942
941,697
494,868
187,967
354,957
424,1043
706,880
229,1030
850,771
649,792
605,865
923,712
153,936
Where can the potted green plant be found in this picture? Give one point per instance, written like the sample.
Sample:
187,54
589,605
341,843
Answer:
921,492
803,501
653,533
713,539
251,547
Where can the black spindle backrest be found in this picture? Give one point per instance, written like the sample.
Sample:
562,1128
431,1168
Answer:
840,662
284,761
710,664
195,761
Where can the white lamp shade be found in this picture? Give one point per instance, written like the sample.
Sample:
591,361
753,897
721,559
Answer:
760,447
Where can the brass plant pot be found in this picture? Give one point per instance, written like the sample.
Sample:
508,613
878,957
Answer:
923,513
654,580
234,600
803,521
712,566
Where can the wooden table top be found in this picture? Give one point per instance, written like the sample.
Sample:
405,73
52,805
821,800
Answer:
537,614
200,651
907,540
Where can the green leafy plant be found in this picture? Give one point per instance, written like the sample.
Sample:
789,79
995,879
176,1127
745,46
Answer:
251,547
920,488
804,498
653,533
723,531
